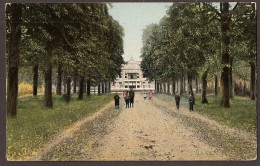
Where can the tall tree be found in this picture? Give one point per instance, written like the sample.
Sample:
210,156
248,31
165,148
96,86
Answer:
15,16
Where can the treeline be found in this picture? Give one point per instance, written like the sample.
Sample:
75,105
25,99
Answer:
202,41
79,41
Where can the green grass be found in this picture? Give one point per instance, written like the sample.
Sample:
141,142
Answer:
35,125
242,114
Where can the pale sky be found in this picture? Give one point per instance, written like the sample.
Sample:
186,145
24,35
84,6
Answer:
134,17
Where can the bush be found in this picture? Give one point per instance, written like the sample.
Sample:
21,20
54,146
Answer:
25,89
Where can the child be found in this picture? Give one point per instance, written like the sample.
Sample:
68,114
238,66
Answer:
150,95
116,98
124,94
145,95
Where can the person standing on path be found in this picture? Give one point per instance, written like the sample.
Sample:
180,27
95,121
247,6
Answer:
145,95
132,96
116,98
150,95
191,102
126,100
177,100
124,94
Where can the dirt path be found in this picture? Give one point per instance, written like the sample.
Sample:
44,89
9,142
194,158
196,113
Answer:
152,130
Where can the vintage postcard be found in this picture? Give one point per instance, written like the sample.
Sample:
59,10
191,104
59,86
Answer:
130,81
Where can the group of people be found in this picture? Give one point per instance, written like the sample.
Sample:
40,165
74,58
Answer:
129,98
150,95
191,101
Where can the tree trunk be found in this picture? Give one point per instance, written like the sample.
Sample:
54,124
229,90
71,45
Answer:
168,88
244,89
177,86
190,83
81,88
88,87
173,87
204,88
48,87
109,87
13,59
75,84
155,83
231,89
98,87
225,23
64,83
216,85
68,89
58,90
158,87
252,81
181,86
103,87
197,84
184,85
35,80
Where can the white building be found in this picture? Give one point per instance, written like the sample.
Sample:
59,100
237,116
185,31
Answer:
132,77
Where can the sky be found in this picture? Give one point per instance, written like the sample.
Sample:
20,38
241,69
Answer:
134,17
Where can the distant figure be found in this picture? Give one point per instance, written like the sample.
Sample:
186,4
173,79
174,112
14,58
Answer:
124,94
145,95
132,96
177,99
127,98
116,97
150,95
191,102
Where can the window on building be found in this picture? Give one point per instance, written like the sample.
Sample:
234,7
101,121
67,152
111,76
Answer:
138,86
137,75
126,76
143,86
126,87
132,76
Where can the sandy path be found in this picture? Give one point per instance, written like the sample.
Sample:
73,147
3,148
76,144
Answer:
153,130
146,133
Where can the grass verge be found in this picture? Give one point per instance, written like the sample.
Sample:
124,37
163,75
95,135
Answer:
35,125
242,114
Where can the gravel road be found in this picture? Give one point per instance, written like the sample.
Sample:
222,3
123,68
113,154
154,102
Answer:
152,130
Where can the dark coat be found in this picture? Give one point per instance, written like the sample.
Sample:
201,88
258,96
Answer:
131,94
177,98
116,98
191,100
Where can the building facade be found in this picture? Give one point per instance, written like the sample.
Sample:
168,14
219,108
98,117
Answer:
132,77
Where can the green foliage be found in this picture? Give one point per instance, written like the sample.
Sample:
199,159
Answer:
80,37
190,40
35,125
242,114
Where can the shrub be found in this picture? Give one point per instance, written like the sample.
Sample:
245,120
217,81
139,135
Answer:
24,89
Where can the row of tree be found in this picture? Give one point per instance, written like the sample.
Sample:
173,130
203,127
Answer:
202,40
75,40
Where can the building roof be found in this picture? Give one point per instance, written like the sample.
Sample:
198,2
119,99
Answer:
132,65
